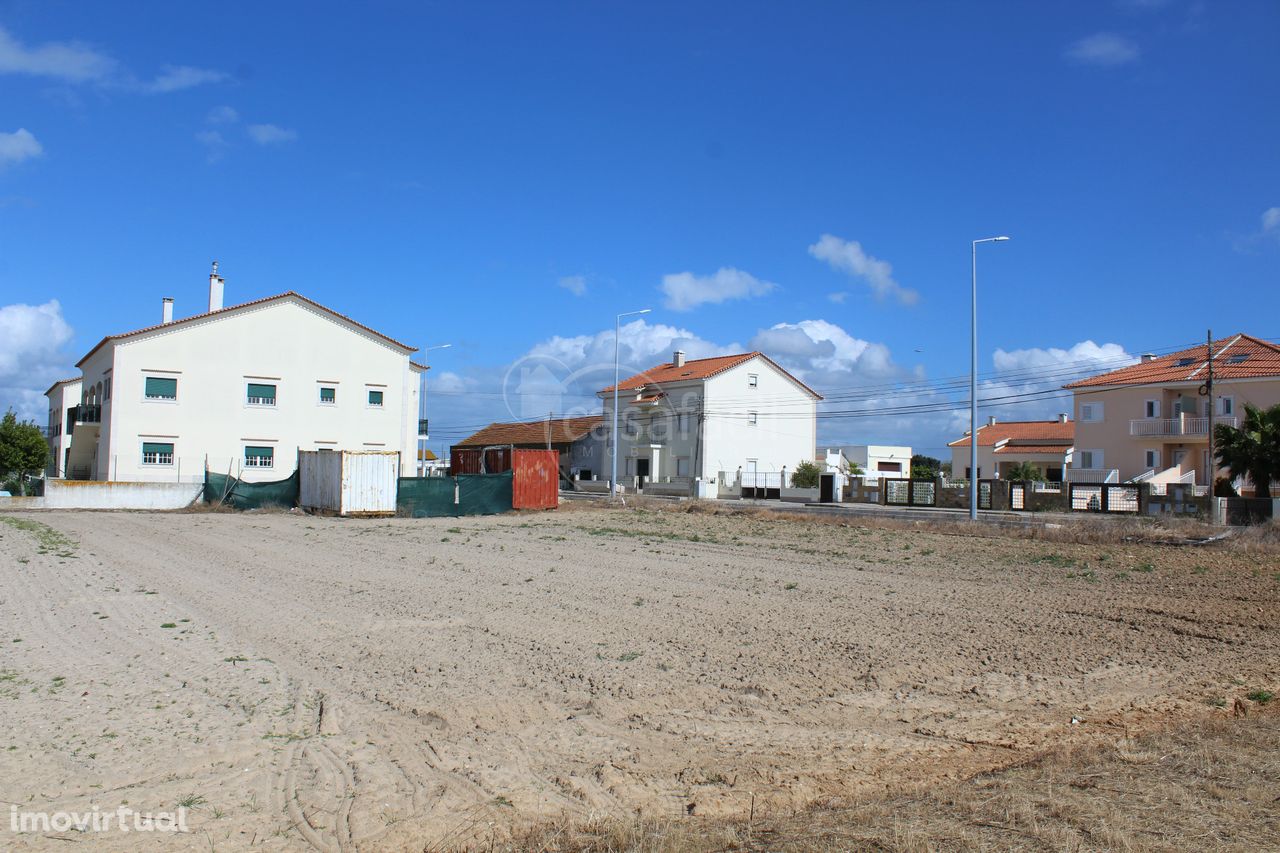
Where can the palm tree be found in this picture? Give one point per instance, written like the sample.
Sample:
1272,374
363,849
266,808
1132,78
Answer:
1023,471
1253,449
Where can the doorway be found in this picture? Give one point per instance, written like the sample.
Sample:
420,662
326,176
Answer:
642,471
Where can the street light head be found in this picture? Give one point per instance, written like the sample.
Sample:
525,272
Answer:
1000,239
644,310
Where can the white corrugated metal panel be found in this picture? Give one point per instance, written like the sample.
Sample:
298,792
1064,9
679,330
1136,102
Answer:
369,482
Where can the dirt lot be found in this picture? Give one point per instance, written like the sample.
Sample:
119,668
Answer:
411,684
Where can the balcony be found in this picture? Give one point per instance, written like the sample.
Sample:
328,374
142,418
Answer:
83,414
1179,427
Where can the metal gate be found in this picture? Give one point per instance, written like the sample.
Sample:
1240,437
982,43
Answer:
1017,495
1106,497
984,494
910,492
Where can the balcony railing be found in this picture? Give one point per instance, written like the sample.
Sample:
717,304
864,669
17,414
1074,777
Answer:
1180,426
83,414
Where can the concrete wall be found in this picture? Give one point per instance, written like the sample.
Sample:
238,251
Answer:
871,456
1120,406
287,343
84,494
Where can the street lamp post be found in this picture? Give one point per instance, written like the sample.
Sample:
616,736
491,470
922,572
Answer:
973,384
422,410
617,331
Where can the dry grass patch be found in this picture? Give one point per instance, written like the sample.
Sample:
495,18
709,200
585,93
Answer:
1204,785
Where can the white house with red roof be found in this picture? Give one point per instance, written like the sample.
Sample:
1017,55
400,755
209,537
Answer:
240,389
1151,420
696,418
1048,445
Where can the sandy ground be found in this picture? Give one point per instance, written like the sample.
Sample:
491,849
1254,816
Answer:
408,684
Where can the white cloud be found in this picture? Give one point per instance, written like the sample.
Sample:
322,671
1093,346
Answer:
175,78
32,338
686,291
847,256
222,115
1103,49
270,134
575,284
69,61
1271,222
18,146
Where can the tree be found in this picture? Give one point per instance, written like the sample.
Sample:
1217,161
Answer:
1023,472
925,467
806,476
1253,449
23,450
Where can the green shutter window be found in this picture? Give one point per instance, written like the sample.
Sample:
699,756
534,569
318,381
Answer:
262,395
157,453
375,398
328,395
161,388
259,457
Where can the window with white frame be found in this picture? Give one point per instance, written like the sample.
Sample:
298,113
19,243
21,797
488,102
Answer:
260,394
682,466
259,457
328,395
160,388
753,380
375,398
753,418
1091,459
1226,406
1151,409
1091,413
1151,458
157,453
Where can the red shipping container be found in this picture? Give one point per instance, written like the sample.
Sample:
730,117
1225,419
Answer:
535,481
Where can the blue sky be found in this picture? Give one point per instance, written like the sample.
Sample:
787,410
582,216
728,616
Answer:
505,177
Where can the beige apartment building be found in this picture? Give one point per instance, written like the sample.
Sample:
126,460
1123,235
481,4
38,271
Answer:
1151,420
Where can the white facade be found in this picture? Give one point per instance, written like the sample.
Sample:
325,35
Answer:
878,460
64,397
242,390
752,417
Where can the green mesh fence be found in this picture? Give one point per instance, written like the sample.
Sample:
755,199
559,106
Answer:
484,494
431,497
425,497
222,489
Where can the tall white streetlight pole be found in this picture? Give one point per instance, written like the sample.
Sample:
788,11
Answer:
973,385
617,331
422,410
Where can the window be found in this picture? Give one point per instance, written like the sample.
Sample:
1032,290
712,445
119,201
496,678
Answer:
328,395
1227,405
1238,358
1091,412
1090,459
1186,362
260,394
753,380
161,388
375,399
107,388
259,457
1151,459
157,453
1152,408
753,418
682,424
682,466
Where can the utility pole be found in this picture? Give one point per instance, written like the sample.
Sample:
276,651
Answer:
1208,391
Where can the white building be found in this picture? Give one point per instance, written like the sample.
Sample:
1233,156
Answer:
875,460
240,389
64,413
696,419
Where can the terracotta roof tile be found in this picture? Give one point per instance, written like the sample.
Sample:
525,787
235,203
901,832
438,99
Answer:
63,382
1237,357
1022,431
286,295
696,369
533,433
1025,449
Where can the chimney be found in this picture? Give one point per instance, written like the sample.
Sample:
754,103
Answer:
215,289
1062,417
1148,356
167,310
991,421
677,358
